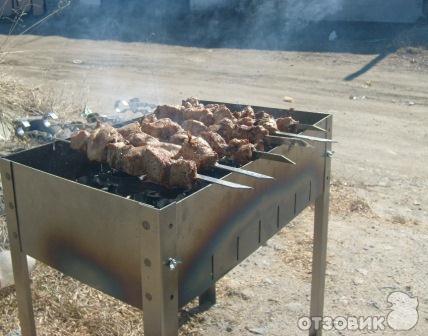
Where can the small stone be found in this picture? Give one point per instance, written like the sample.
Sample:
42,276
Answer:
268,281
362,271
358,282
229,329
288,99
295,307
257,331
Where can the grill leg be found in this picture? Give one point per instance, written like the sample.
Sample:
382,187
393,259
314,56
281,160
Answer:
159,275
19,259
320,246
208,298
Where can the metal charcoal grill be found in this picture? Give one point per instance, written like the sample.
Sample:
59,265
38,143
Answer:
157,249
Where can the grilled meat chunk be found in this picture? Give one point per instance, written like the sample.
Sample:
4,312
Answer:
247,121
248,112
179,138
194,127
141,139
268,123
254,134
175,113
286,124
79,140
201,114
116,153
182,173
191,102
158,167
240,151
216,141
161,129
130,129
99,139
225,128
198,150
220,112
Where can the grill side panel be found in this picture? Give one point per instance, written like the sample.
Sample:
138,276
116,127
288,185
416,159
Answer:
219,228
85,233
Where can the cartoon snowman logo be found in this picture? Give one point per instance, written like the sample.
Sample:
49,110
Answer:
404,311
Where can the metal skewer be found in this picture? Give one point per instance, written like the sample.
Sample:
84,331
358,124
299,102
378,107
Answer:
222,182
304,127
272,157
301,136
287,140
242,171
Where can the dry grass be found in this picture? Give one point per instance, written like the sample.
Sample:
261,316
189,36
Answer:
18,100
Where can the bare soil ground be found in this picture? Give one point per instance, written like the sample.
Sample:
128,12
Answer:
379,223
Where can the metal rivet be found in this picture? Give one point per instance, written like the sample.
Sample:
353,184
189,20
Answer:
7,175
146,225
147,262
149,296
171,225
11,206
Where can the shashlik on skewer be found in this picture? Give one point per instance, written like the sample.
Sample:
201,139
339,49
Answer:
170,154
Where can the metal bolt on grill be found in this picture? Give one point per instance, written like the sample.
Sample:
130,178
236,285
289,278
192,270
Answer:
158,249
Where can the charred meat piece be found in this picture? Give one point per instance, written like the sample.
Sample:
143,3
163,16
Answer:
162,129
79,140
216,142
99,139
194,127
268,123
201,114
129,129
254,134
179,138
220,112
175,113
141,139
191,102
248,112
158,167
226,128
116,153
247,121
182,173
198,150
240,151
286,124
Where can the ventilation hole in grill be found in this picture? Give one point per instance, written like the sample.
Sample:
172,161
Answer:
310,190
277,216
295,203
237,248
260,231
